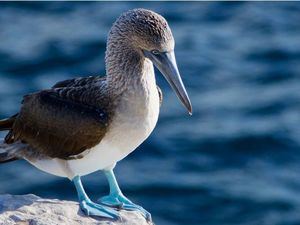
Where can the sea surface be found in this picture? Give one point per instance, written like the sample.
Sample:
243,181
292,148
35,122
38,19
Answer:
235,161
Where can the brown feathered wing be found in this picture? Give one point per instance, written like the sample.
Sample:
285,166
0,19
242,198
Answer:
63,121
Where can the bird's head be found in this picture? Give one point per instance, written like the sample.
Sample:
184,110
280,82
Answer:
151,35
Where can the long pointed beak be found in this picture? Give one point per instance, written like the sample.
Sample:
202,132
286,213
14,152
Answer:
166,63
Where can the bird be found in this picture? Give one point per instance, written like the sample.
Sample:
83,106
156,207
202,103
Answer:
88,124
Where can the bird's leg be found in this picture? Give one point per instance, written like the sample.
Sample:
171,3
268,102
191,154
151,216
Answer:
117,199
90,208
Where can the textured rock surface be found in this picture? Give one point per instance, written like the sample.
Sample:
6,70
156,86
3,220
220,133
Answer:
32,210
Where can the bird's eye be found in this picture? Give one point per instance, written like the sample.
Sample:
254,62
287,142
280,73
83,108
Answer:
155,52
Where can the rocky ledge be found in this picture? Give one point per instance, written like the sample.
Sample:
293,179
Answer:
33,210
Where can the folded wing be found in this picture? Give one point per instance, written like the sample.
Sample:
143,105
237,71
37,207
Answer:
63,121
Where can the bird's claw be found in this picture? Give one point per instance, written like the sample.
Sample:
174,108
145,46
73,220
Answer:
121,202
92,209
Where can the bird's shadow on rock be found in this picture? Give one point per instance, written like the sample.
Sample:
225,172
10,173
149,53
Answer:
98,218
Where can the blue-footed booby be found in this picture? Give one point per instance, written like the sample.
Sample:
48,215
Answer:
86,124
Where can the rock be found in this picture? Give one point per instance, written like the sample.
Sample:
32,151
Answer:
33,210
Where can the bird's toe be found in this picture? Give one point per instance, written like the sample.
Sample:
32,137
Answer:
93,209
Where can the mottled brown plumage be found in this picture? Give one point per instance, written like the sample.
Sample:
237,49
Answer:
63,121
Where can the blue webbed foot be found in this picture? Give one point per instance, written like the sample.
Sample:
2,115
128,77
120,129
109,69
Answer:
92,209
121,202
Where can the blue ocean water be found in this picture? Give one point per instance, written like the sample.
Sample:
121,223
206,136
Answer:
235,161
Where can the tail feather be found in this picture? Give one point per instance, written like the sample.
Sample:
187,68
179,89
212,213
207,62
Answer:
8,153
6,158
7,124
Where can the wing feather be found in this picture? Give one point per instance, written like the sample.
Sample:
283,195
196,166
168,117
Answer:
63,121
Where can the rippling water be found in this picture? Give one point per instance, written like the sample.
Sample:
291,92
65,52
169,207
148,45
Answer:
235,161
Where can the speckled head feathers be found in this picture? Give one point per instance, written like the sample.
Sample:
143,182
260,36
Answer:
145,29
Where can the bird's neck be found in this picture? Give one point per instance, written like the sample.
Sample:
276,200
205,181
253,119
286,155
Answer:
126,67
132,86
